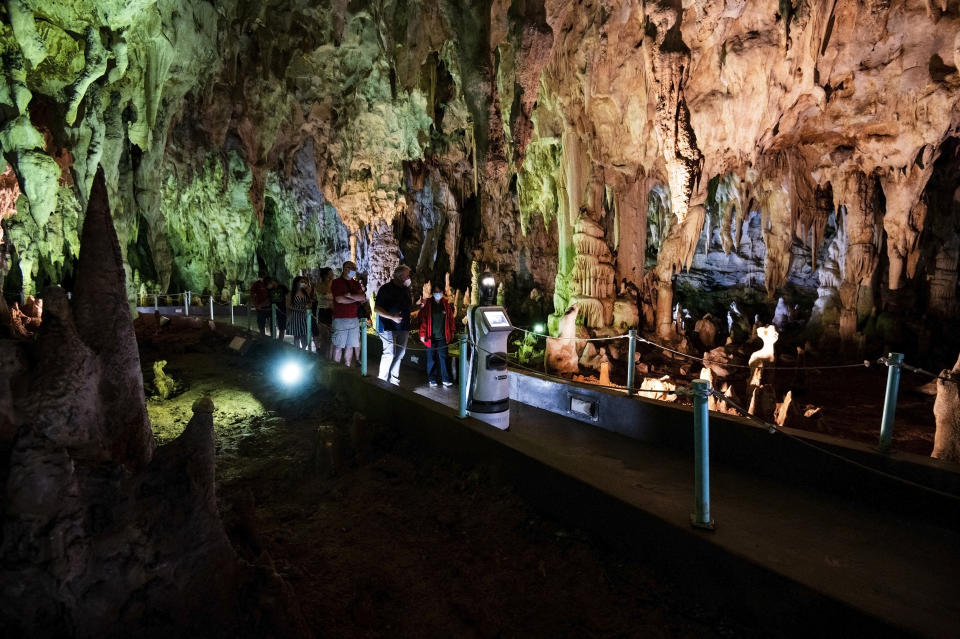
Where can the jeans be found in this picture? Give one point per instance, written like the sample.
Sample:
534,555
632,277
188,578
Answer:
438,361
394,346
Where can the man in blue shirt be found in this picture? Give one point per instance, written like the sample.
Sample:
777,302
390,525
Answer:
393,308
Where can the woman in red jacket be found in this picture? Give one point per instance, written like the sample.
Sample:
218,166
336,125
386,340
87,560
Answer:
436,332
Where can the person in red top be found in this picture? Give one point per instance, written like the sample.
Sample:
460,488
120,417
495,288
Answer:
436,332
348,295
260,299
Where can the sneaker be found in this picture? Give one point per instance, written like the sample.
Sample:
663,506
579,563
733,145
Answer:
395,381
433,384
448,384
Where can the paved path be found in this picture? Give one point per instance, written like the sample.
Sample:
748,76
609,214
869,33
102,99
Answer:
905,573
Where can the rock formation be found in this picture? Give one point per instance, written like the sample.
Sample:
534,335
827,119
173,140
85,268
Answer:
561,353
946,410
103,534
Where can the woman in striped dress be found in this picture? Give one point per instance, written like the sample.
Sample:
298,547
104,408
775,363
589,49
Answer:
300,301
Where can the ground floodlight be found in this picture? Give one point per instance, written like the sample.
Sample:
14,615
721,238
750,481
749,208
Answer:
291,373
538,328
488,281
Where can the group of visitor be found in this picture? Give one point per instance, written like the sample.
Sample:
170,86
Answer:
271,299
338,305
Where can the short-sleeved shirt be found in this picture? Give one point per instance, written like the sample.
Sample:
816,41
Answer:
342,286
394,299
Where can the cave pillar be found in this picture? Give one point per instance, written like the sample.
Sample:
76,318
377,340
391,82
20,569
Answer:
861,220
943,282
631,210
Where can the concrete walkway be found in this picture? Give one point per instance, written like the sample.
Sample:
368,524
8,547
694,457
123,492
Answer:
903,573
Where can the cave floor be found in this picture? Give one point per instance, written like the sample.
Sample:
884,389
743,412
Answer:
397,542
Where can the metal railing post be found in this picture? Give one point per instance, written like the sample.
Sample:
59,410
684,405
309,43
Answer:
273,321
462,375
186,304
309,346
189,298
248,316
631,364
890,400
701,453
231,310
363,347
156,303
211,307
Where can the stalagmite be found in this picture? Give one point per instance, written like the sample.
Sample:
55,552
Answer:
592,279
658,388
103,323
87,497
946,410
761,358
706,330
561,354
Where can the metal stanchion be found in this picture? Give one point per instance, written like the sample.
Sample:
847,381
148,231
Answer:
248,316
890,400
631,365
211,307
189,298
231,310
156,303
186,304
273,321
701,452
309,313
462,375
363,346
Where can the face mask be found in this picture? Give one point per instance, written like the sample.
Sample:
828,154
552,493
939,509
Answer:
350,274
406,282
437,296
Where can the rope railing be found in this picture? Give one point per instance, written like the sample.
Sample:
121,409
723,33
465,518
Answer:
775,429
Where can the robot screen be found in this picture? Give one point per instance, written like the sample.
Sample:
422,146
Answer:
496,319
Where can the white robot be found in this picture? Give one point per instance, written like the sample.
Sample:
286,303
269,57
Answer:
489,383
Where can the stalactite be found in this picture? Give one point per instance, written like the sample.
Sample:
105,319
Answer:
905,215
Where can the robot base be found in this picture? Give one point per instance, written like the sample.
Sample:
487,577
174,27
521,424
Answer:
499,420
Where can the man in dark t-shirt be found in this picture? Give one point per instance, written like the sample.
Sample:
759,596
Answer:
260,299
393,322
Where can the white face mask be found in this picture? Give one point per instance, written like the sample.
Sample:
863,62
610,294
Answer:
406,282
437,296
349,274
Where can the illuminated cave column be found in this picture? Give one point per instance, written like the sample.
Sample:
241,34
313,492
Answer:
592,278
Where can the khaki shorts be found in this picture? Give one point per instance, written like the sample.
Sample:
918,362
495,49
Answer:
345,332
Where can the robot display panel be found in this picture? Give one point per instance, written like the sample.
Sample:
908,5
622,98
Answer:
496,319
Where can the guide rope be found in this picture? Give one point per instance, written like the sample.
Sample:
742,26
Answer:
773,428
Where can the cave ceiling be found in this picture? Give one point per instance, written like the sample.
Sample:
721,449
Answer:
291,134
